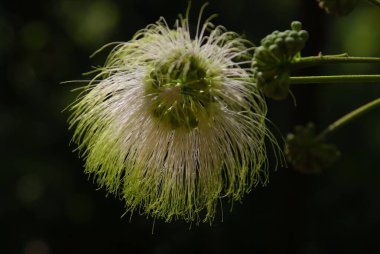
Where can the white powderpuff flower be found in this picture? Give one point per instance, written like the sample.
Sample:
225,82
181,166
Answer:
172,124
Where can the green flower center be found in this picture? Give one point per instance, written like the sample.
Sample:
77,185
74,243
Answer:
180,90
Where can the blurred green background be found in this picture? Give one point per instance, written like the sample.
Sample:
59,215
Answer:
49,206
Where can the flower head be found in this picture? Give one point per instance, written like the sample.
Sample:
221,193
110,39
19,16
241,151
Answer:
172,123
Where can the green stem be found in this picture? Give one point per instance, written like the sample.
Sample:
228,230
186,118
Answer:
310,61
334,79
375,2
349,117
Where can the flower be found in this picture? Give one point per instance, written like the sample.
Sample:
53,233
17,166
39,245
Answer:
172,124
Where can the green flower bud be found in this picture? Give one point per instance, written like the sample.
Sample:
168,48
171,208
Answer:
296,26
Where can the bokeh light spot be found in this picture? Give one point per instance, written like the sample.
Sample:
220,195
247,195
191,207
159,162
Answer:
35,35
29,188
90,23
36,247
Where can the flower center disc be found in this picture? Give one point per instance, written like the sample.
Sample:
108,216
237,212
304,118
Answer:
180,91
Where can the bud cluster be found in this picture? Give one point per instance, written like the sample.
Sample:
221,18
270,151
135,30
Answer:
307,153
271,60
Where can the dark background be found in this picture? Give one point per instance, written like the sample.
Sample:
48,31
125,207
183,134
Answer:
47,203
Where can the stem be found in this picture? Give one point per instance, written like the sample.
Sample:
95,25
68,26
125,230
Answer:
334,79
310,61
349,117
375,2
